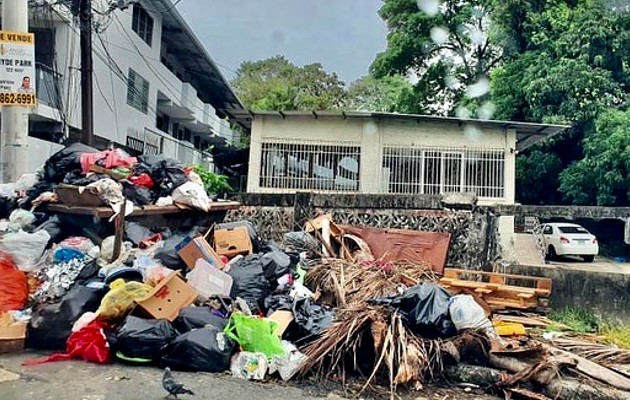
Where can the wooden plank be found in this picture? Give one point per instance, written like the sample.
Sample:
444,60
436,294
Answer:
455,272
593,369
106,212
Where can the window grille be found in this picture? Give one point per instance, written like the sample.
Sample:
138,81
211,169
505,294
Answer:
142,24
137,91
442,170
310,166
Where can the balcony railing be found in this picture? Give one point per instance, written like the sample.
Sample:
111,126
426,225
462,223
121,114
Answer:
48,86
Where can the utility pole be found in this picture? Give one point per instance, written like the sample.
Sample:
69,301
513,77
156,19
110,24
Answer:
14,132
87,97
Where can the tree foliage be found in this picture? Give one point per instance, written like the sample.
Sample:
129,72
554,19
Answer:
565,62
277,84
446,49
603,175
388,94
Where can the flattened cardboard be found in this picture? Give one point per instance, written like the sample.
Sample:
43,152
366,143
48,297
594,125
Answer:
192,249
316,225
167,298
283,318
232,242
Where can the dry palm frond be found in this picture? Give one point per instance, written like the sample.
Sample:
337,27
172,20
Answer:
601,353
399,357
351,283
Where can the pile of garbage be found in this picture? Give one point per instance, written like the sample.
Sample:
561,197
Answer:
330,301
84,176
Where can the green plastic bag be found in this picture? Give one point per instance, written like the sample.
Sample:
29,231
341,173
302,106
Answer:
255,334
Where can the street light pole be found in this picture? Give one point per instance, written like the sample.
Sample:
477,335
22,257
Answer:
14,130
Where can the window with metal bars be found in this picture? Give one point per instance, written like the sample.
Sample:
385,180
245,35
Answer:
310,166
442,170
142,24
137,91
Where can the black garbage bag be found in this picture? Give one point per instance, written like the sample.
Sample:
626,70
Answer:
7,205
64,161
205,349
312,318
276,263
190,318
77,178
32,193
51,324
253,235
250,282
167,254
54,228
144,338
139,195
425,310
278,302
167,174
136,233
302,241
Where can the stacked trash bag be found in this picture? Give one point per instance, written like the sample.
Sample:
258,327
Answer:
114,175
81,306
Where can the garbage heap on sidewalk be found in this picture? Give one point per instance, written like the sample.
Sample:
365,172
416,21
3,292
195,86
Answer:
333,302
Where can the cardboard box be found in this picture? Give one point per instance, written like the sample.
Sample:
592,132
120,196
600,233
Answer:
316,225
208,280
12,338
190,250
167,298
283,318
232,242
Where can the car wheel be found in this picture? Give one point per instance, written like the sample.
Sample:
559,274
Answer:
588,258
551,253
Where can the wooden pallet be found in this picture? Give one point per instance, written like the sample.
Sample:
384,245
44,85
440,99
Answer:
499,291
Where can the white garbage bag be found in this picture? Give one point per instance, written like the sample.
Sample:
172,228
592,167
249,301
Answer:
248,365
25,248
289,364
193,195
467,314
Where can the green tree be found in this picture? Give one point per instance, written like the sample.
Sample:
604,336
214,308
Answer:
603,175
388,94
565,62
277,84
448,49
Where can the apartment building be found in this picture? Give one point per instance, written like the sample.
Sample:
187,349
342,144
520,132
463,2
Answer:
156,89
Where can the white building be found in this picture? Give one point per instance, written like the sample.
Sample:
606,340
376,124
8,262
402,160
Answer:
156,89
383,153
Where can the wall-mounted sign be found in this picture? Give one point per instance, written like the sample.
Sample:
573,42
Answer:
17,69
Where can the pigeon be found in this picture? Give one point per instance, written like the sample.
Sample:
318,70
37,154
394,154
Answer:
172,386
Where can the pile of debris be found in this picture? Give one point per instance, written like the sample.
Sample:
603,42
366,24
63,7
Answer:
331,302
82,174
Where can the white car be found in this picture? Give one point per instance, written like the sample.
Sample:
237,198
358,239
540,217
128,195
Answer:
562,239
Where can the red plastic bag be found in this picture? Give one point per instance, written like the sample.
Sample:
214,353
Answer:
13,285
143,180
89,344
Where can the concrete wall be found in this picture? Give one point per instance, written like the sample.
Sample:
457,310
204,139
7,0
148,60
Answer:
371,135
607,294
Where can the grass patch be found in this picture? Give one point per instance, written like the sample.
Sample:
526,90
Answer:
584,321
580,321
618,335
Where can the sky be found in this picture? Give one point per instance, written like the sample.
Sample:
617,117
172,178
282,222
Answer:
343,35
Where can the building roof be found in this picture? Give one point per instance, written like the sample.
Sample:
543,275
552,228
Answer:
211,85
527,133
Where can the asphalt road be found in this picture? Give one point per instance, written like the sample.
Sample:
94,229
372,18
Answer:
76,380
